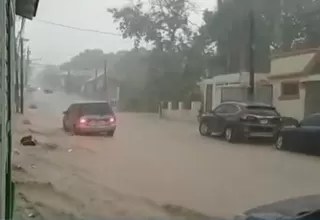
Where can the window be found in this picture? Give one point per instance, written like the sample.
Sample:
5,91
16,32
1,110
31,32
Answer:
96,108
227,109
222,109
232,109
263,111
312,120
290,90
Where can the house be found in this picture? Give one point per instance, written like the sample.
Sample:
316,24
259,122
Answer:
234,87
295,77
94,88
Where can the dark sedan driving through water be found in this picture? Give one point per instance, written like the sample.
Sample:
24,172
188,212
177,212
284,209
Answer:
238,120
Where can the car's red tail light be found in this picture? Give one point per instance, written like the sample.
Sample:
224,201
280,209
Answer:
110,119
82,121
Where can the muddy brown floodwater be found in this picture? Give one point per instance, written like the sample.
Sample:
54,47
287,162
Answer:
151,168
53,178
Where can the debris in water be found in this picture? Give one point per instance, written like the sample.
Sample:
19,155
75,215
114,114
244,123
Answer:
50,146
33,166
182,212
26,122
16,152
28,141
31,215
69,150
17,167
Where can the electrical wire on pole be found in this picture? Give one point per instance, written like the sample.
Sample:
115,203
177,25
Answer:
219,5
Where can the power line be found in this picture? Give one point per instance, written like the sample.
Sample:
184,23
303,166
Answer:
76,28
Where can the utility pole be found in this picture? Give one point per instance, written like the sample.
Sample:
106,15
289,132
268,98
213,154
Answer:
27,75
219,4
105,86
251,48
21,75
67,82
16,85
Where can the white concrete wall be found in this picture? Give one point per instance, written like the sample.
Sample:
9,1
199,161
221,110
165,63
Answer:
182,114
290,108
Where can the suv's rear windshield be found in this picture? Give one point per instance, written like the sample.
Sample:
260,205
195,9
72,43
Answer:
96,109
262,110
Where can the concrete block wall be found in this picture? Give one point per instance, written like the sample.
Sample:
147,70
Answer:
182,113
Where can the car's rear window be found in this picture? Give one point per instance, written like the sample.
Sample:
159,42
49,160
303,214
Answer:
96,109
262,110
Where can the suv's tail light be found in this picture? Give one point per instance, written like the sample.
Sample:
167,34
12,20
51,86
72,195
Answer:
83,121
247,117
112,119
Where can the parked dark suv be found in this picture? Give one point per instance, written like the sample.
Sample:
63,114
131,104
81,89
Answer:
237,120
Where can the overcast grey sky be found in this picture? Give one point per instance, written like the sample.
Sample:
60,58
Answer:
54,44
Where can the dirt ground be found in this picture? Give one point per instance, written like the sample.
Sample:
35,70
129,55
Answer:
49,185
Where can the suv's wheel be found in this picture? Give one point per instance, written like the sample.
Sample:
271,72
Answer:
230,135
75,130
204,128
279,143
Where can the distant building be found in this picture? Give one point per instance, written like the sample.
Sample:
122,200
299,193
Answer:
295,77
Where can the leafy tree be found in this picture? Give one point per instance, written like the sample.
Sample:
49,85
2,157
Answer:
88,59
165,26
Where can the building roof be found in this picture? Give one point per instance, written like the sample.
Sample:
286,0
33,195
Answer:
235,78
101,77
282,65
311,78
294,63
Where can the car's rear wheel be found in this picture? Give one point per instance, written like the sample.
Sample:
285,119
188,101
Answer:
110,133
279,143
204,128
75,130
230,135
65,128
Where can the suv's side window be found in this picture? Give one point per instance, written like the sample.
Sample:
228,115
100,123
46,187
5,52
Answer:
226,109
232,109
222,109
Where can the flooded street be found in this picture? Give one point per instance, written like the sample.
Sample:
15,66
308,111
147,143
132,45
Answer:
151,161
